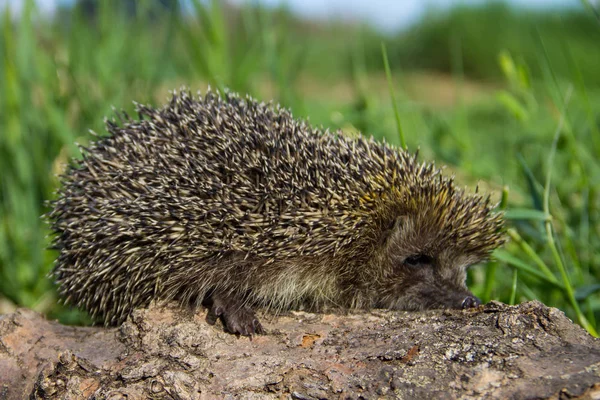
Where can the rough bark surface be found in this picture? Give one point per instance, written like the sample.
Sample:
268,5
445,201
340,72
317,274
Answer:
494,351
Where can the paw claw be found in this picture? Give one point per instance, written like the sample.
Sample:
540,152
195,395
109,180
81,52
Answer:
237,318
257,327
211,318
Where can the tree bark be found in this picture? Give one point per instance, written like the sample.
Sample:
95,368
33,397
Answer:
492,352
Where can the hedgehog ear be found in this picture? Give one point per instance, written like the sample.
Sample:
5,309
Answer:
392,228
400,223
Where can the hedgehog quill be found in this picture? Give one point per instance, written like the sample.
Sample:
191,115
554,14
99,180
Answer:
225,202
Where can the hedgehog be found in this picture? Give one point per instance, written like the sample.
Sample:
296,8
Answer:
221,201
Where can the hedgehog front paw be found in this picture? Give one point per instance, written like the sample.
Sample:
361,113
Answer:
236,317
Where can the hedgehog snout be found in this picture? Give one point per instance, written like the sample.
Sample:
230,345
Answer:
470,302
457,298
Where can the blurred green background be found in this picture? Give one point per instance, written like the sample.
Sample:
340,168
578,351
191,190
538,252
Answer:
505,97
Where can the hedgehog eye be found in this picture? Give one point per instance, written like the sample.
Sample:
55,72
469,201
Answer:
418,259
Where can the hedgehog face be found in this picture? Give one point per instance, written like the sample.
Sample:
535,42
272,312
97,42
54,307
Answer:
421,270
424,282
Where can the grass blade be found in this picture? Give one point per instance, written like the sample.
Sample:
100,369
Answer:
390,82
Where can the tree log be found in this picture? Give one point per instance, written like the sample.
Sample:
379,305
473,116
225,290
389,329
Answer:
492,352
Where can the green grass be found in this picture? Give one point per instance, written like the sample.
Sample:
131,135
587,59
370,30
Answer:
483,31
531,135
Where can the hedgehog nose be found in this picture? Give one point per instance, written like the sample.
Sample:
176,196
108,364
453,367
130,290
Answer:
470,302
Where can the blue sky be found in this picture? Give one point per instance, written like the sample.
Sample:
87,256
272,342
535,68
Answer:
386,14
392,14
